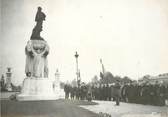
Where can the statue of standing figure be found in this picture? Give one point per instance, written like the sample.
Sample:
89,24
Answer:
37,50
40,17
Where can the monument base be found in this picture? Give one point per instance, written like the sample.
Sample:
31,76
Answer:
37,89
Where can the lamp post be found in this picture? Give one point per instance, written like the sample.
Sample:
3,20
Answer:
77,70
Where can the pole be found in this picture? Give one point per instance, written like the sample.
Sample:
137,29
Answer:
77,70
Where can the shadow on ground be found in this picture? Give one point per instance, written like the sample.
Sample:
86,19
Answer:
57,108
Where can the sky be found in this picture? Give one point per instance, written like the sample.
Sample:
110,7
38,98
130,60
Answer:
131,36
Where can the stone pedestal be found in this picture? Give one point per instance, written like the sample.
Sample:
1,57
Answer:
37,89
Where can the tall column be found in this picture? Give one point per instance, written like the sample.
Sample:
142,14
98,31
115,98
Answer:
77,69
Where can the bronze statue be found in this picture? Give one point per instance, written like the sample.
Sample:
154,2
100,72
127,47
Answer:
40,17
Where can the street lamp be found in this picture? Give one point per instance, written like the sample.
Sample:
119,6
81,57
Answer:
77,70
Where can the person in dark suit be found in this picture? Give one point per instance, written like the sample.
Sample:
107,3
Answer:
117,92
160,94
124,92
152,94
108,92
67,91
104,92
72,92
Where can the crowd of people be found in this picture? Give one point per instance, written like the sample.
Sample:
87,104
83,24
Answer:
146,93
152,94
76,92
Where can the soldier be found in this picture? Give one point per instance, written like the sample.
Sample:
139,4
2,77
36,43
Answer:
139,93
160,93
152,94
89,94
67,91
135,92
104,92
72,92
112,91
97,97
156,88
130,93
86,91
108,92
78,93
83,92
93,91
100,92
75,92
146,94
124,91
166,94
117,93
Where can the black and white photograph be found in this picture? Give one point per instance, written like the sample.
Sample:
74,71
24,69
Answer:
84,58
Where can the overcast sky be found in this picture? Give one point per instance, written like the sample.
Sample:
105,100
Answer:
131,36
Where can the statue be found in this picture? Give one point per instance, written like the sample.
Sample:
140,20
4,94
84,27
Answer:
36,58
37,85
40,17
37,50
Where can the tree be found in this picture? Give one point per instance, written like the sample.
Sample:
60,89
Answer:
95,80
74,83
146,78
126,79
107,78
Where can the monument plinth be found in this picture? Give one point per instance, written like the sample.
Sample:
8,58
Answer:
37,89
37,85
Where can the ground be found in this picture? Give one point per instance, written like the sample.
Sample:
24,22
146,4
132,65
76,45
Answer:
128,109
58,108
75,108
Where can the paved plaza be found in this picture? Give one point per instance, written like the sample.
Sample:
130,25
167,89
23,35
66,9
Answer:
58,108
77,108
128,109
